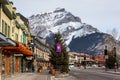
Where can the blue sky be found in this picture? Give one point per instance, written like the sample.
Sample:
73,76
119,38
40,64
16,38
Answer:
102,14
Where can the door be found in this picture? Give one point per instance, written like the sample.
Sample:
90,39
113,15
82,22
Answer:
17,65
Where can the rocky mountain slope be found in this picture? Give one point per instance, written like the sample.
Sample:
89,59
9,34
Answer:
78,36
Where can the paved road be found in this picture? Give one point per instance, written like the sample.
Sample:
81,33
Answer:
91,74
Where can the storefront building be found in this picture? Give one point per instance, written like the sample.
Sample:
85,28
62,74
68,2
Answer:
4,41
14,34
41,52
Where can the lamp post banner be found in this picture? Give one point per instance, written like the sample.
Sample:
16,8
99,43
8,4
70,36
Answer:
58,47
106,56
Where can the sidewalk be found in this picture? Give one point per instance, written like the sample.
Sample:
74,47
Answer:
38,76
30,76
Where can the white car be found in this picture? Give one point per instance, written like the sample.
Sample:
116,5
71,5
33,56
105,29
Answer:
94,65
71,65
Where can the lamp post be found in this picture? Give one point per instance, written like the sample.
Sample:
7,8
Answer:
106,57
32,45
114,50
84,61
115,64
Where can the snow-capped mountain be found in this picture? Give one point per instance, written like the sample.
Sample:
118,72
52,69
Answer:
60,21
72,29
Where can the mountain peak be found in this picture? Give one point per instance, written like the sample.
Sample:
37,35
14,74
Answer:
78,36
47,24
59,9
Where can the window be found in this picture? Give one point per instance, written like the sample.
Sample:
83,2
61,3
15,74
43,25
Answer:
3,27
12,29
24,38
16,37
8,31
21,39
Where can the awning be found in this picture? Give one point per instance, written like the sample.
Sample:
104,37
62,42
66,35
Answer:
4,41
41,60
19,48
89,60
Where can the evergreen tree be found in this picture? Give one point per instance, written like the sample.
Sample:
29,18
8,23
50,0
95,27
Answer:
59,60
111,62
112,59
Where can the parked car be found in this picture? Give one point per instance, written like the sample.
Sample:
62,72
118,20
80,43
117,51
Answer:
71,65
94,65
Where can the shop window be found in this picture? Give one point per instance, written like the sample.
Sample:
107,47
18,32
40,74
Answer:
3,64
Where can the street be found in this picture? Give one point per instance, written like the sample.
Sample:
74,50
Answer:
93,74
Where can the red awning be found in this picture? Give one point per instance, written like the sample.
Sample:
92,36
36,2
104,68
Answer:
19,48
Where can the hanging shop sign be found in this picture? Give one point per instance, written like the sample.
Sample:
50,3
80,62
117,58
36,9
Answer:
58,47
106,56
29,57
18,54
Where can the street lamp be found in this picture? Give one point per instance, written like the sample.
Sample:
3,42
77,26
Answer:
114,50
106,57
115,64
84,61
32,46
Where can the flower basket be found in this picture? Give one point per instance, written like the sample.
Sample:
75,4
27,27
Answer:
53,71
40,69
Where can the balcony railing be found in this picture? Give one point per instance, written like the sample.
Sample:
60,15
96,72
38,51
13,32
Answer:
7,12
4,1
14,15
17,24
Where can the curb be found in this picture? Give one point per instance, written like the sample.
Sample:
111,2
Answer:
117,73
61,75
52,78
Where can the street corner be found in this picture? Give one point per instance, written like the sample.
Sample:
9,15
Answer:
71,78
53,78
65,77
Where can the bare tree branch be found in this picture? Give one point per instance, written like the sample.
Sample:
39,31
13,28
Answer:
114,33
